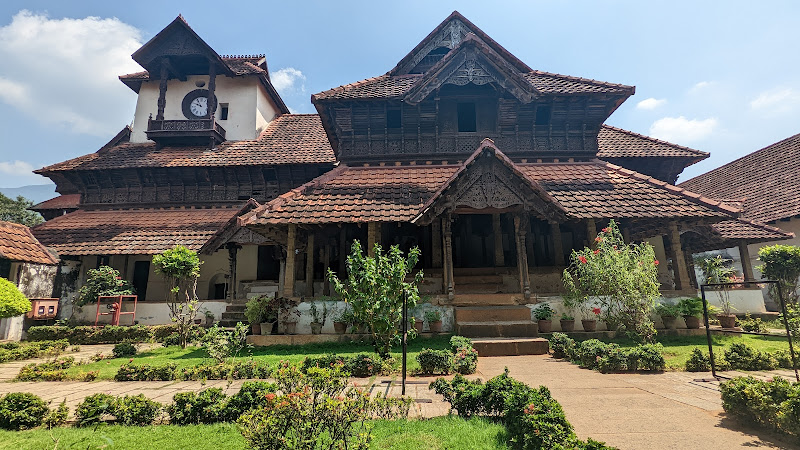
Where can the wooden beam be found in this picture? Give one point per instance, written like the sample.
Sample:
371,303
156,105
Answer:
233,251
373,237
591,231
436,242
326,261
497,231
681,273
448,256
162,92
310,253
558,246
520,230
747,265
288,284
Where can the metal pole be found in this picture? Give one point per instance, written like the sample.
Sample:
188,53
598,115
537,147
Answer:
708,331
405,338
788,331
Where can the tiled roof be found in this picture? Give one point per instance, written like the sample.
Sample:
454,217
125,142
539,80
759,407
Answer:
18,244
397,193
240,65
767,180
386,86
69,201
746,230
618,143
131,232
289,139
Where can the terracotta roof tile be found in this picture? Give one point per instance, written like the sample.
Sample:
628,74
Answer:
618,143
69,201
131,232
742,229
289,139
766,181
18,244
240,65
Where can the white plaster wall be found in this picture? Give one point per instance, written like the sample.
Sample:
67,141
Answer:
149,313
11,328
248,107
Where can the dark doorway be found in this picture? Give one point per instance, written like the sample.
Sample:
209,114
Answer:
141,273
269,267
5,268
473,242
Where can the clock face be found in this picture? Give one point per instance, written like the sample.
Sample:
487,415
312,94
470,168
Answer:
199,106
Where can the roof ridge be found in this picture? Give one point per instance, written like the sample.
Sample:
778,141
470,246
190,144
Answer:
582,79
258,55
650,138
341,88
696,198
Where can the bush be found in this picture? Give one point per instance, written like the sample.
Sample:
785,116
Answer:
752,325
124,349
465,360
12,302
324,361
146,372
456,342
135,410
595,354
104,280
15,351
589,352
239,370
561,345
435,362
647,357
21,411
221,344
207,406
57,417
252,395
773,404
54,370
109,334
93,408
366,365
740,356
698,361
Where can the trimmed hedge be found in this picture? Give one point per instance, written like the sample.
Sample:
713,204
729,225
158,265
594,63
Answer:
16,351
128,410
22,411
55,370
12,302
460,358
239,370
771,404
109,334
739,356
362,365
605,357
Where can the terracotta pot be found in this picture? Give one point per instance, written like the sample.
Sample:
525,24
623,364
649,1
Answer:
340,327
198,321
418,325
290,327
589,325
727,320
669,322
266,327
545,326
255,328
692,321
567,325
316,328
435,327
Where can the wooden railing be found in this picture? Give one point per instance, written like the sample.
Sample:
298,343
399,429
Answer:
186,125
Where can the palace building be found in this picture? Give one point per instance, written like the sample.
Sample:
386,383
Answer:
495,170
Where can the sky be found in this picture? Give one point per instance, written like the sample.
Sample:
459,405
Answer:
717,76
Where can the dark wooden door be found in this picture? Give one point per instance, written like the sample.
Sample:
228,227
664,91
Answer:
141,273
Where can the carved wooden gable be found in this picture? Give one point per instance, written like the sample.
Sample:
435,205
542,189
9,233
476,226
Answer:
487,186
449,36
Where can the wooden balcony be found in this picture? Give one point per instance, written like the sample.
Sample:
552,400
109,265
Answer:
185,132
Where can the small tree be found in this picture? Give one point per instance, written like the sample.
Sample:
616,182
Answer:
180,268
623,278
374,289
104,280
782,263
12,302
718,270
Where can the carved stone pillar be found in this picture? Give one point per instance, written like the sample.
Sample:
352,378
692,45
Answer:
558,246
591,231
436,242
747,265
497,231
679,268
288,284
233,251
162,91
447,235
520,231
310,253
373,237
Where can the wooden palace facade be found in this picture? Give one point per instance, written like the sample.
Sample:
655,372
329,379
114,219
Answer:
495,170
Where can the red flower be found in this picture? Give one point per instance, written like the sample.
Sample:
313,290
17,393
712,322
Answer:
606,230
596,311
598,239
597,251
582,259
655,262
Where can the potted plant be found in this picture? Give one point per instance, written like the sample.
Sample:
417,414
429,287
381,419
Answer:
434,319
716,270
668,314
567,322
209,318
589,319
316,323
341,320
691,309
544,315
261,313
289,314
418,324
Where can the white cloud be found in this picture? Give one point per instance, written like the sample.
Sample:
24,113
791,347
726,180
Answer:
15,168
682,130
64,71
778,100
285,80
700,86
651,103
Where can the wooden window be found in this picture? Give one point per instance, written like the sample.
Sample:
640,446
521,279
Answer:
102,260
223,111
543,115
393,118
467,119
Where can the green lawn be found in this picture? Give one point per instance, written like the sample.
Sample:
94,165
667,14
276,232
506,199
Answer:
192,356
451,433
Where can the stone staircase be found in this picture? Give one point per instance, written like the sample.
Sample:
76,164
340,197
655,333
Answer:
479,284
499,330
234,313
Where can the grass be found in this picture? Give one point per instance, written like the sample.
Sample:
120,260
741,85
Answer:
192,356
451,433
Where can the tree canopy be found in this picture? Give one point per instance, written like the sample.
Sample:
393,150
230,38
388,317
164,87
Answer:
17,211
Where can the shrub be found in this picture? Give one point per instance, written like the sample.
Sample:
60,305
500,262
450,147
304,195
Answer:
772,404
124,349
109,334
57,417
366,365
104,280
21,411
207,406
646,357
135,410
595,354
54,370
782,263
324,361
15,351
465,360
12,302
692,306
238,370
93,408
146,372
434,362
612,359
253,394
464,396
180,268
698,361
456,342
753,325
561,345
740,356
221,344
589,352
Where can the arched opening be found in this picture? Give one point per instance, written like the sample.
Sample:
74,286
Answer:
218,287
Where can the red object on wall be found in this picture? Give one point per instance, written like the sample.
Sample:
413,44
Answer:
114,305
43,308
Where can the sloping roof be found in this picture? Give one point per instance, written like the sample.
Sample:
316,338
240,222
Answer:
240,65
397,193
745,230
68,201
289,139
18,244
766,180
615,142
131,232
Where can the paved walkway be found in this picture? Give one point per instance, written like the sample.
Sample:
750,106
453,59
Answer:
672,410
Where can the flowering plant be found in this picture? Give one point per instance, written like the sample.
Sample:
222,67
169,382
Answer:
104,280
621,278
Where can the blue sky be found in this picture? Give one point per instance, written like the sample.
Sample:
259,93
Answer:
718,76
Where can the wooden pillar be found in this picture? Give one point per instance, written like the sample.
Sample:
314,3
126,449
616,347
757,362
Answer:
626,235
373,237
591,231
326,261
310,253
447,237
212,85
558,246
520,231
288,285
436,242
497,230
343,250
679,268
282,275
162,90
233,251
747,265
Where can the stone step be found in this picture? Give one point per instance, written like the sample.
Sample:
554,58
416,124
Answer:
479,288
498,328
477,279
230,323
467,299
511,346
235,307
492,313
233,316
